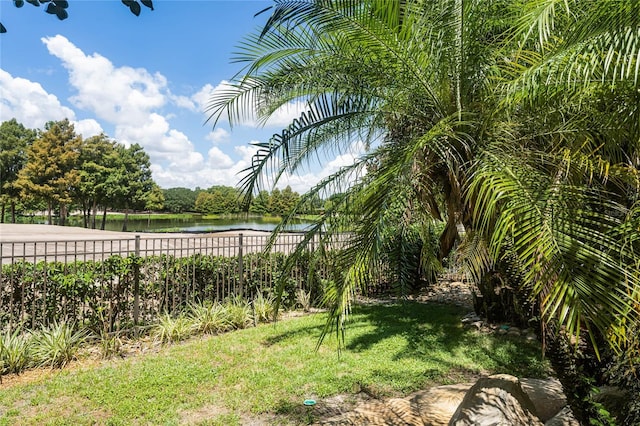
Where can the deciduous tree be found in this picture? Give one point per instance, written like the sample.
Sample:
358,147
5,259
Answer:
15,139
51,172
98,158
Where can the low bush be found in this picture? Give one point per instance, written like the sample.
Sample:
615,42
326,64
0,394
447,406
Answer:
15,351
238,312
56,345
171,329
208,317
263,307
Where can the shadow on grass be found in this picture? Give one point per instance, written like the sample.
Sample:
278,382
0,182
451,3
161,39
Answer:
418,331
435,331
429,330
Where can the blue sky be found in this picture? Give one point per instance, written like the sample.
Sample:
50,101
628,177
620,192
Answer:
143,80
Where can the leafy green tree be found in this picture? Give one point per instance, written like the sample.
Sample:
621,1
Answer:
154,199
260,203
131,180
282,202
179,200
206,203
51,172
14,142
218,200
59,7
312,206
97,161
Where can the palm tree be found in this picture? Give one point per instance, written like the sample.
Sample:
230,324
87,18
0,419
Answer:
432,90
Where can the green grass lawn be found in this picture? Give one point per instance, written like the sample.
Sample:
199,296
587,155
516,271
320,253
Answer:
269,370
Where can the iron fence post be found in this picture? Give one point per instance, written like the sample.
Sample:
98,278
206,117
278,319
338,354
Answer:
136,282
240,264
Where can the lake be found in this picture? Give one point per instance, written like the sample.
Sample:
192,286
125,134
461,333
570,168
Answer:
197,224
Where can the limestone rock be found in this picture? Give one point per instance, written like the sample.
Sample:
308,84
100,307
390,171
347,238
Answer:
437,405
563,418
496,400
614,400
547,396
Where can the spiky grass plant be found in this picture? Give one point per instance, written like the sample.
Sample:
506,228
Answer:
263,307
57,344
110,345
208,317
238,312
170,329
15,354
303,299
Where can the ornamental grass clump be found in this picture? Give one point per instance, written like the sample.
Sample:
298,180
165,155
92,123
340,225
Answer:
208,317
15,351
238,312
263,307
57,345
303,299
171,329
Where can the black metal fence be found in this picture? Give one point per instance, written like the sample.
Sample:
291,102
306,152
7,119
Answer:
118,282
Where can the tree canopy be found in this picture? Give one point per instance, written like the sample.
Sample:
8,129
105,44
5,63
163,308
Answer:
60,169
59,8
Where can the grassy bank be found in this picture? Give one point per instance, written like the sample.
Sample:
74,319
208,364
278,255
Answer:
267,371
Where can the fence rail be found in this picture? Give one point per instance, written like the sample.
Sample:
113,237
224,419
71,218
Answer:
132,280
99,249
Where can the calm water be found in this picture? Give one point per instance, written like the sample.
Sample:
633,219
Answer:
198,225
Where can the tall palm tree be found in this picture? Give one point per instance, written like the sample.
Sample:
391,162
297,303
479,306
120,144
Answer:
423,86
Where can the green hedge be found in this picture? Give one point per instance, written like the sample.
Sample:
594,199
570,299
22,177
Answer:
102,293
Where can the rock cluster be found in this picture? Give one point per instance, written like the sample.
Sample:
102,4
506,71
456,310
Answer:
495,400
472,320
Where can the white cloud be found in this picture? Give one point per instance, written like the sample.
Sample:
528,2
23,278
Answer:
218,135
29,103
219,160
285,115
130,99
121,95
201,98
183,102
87,128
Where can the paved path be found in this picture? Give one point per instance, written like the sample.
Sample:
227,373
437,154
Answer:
27,232
33,243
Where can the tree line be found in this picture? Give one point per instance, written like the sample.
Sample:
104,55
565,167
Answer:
56,168
220,199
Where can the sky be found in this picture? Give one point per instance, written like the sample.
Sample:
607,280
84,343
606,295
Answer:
144,80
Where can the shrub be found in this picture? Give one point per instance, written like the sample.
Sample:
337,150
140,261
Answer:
208,317
171,329
624,372
238,312
57,345
263,308
15,353
303,299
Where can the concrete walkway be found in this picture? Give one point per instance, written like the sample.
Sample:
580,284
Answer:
10,232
